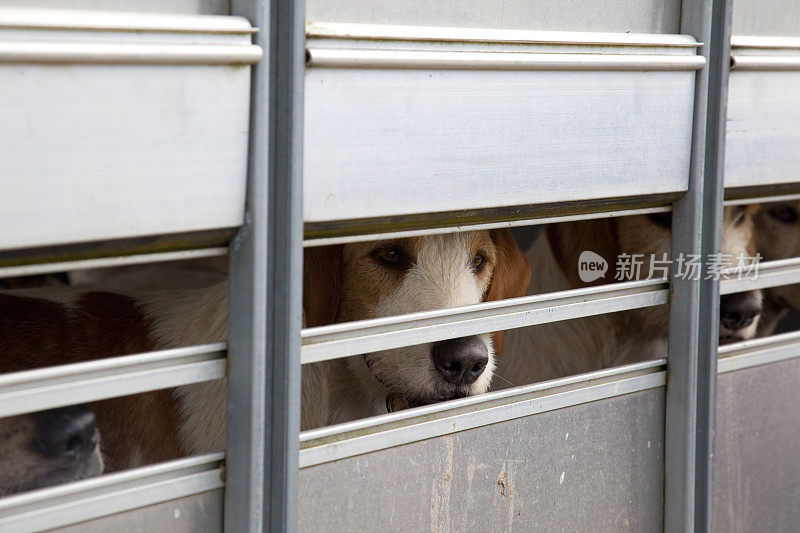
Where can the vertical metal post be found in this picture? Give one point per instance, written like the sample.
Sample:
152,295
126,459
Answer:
285,266
266,284
247,337
684,317
716,123
694,307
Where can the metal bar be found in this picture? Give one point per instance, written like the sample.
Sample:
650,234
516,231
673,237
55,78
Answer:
387,32
426,59
763,41
110,262
762,200
713,196
693,337
46,388
92,20
247,470
408,417
775,63
325,241
77,502
770,274
364,229
285,261
755,352
352,338
684,313
126,54
396,429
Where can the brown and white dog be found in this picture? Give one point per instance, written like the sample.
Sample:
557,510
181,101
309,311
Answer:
577,346
778,237
341,283
42,449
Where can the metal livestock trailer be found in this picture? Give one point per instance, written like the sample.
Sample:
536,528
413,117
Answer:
255,128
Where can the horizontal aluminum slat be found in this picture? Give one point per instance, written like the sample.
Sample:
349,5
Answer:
77,502
762,199
324,241
161,106
489,120
485,60
57,386
126,54
771,44
770,274
763,111
353,338
411,425
764,63
78,20
755,352
109,262
636,16
390,32
359,230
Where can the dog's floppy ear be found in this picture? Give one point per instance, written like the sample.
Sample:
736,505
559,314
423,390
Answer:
569,239
322,284
511,276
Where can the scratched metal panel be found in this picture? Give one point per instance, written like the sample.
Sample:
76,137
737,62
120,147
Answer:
775,17
762,133
382,142
200,513
199,7
636,16
592,467
757,460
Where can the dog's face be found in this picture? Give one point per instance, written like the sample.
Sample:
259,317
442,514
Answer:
43,449
400,276
650,237
778,237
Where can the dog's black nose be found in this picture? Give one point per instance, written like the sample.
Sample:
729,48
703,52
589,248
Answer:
68,433
739,310
460,361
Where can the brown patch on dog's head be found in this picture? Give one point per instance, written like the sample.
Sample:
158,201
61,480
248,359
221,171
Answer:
511,277
322,284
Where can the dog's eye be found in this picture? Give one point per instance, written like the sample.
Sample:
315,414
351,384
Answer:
389,256
783,213
477,263
741,214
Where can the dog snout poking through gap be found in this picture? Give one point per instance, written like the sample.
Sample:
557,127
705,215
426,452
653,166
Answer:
460,361
67,434
737,313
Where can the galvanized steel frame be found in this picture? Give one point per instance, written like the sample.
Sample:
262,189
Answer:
696,229
266,284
